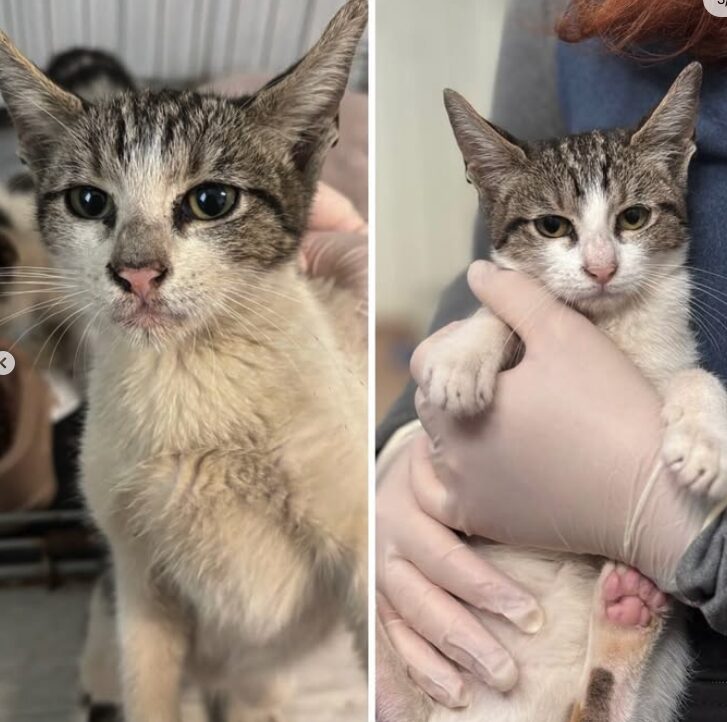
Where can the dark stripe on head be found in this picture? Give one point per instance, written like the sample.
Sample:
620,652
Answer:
574,179
605,170
169,130
511,227
121,137
673,210
274,204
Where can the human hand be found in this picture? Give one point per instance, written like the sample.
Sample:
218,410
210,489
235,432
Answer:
568,455
423,569
336,244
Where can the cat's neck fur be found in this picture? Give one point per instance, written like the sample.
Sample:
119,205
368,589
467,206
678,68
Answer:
653,329
223,385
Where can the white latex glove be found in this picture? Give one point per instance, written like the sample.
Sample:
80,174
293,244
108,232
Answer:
568,456
417,558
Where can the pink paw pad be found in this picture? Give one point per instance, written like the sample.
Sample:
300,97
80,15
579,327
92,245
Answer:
630,599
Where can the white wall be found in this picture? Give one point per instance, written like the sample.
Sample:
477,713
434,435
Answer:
425,210
172,39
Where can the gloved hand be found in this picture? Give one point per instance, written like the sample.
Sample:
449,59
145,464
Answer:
568,456
417,558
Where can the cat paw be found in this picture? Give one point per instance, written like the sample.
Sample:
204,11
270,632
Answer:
460,381
695,449
629,598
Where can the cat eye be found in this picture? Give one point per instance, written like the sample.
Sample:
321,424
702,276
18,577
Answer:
553,226
210,201
633,218
88,202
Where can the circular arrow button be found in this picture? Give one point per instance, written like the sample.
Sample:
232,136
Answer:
7,363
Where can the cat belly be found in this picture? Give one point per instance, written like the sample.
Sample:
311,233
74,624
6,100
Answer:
550,662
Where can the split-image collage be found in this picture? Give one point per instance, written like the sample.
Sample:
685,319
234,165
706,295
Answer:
363,361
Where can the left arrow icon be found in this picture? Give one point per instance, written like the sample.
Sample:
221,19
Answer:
7,363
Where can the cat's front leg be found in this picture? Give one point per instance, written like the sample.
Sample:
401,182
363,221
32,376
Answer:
695,434
152,644
462,364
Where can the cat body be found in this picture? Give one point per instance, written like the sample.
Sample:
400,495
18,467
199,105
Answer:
238,501
224,455
600,220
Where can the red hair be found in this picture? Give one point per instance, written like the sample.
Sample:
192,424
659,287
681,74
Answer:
626,26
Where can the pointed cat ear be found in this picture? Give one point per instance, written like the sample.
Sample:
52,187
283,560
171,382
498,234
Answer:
490,154
40,110
302,104
669,129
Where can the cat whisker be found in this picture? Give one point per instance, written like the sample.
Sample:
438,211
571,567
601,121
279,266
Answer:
65,308
40,306
31,291
68,323
83,337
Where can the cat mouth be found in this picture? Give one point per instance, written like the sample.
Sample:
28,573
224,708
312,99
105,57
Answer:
147,316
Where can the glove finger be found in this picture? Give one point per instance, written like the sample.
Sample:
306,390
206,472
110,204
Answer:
449,626
525,305
439,678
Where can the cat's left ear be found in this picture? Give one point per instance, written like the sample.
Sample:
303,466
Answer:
42,113
668,131
301,105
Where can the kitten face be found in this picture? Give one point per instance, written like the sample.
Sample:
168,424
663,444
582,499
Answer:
172,208
598,217
144,155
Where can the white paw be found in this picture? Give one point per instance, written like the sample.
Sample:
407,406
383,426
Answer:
695,449
461,380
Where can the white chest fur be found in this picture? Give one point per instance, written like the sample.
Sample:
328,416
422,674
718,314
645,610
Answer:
654,332
208,466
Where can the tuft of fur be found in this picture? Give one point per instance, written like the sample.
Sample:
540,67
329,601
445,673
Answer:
225,450
622,674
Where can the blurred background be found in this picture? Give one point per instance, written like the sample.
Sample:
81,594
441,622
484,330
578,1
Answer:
50,556
425,211
175,40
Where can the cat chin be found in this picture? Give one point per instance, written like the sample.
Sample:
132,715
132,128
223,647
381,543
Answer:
602,305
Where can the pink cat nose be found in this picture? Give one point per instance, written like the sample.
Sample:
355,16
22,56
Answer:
602,274
139,281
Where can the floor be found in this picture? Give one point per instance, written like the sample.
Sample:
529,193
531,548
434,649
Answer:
41,633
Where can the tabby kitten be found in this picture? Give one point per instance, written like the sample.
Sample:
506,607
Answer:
600,220
224,455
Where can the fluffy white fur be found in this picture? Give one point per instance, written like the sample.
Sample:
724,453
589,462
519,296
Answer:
236,513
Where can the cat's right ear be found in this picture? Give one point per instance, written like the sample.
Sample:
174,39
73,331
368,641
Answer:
301,105
667,134
41,111
490,154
